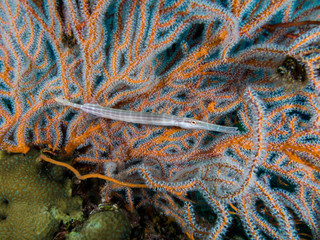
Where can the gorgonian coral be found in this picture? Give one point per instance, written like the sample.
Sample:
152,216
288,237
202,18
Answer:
216,61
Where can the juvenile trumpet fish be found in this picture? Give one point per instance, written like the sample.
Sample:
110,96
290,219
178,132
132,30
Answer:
146,117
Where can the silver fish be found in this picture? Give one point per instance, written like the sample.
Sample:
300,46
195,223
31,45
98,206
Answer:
146,118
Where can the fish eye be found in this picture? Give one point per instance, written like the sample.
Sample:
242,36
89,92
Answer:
193,122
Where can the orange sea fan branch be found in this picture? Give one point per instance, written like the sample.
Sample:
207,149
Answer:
91,175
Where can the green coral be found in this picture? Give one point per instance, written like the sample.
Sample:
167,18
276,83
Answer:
104,225
34,197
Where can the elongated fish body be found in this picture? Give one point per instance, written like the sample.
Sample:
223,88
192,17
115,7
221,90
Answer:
146,118
130,116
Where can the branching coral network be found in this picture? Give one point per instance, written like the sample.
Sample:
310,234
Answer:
222,62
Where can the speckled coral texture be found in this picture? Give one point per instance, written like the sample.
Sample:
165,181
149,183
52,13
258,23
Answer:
105,225
32,201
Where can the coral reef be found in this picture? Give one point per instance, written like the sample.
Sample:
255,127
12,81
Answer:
218,61
109,224
35,197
